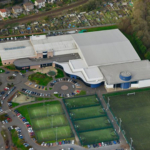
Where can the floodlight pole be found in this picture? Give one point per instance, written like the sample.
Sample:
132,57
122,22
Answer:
124,132
108,100
120,124
131,143
108,105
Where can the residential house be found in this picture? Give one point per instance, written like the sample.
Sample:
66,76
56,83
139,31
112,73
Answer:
51,1
3,13
40,3
28,6
17,9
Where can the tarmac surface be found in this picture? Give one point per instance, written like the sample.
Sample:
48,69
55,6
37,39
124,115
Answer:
19,83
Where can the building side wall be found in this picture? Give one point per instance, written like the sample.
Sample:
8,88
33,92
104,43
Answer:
7,62
35,67
144,83
39,55
109,86
50,54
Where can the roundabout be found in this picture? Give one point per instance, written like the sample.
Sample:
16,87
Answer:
64,87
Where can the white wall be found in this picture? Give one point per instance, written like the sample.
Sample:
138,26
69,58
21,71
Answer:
135,85
63,52
144,83
109,86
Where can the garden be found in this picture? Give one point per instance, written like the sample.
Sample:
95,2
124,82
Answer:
40,78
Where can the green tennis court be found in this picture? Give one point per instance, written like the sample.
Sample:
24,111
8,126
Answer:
49,122
98,136
81,101
86,112
44,110
53,134
91,124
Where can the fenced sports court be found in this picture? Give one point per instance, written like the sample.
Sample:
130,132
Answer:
90,120
49,122
133,107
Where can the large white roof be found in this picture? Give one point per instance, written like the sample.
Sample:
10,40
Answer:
15,50
55,43
140,70
105,47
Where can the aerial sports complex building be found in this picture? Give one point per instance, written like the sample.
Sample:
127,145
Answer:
103,57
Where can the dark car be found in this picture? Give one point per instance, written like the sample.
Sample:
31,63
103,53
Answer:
3,92
7,72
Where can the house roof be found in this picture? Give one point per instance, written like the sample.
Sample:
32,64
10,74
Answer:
40,1
27,4
17,7
2,10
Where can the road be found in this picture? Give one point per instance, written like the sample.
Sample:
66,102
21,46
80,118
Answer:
53,13
19,83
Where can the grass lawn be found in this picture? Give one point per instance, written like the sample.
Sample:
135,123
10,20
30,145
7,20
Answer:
60,74
102,28
81,93
11,67
1,62
98,136
40,78
15,104
41,98
49,122
24,109
92,123
84,112
57,95
2,70
45,109
134,110
4,134
16,141
23,71
50,134
80,101
3,117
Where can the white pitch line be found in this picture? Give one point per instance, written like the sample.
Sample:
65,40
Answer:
65,131
42,135
61,120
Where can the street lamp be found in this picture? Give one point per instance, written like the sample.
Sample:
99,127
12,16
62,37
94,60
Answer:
108,100
120,124
131,143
